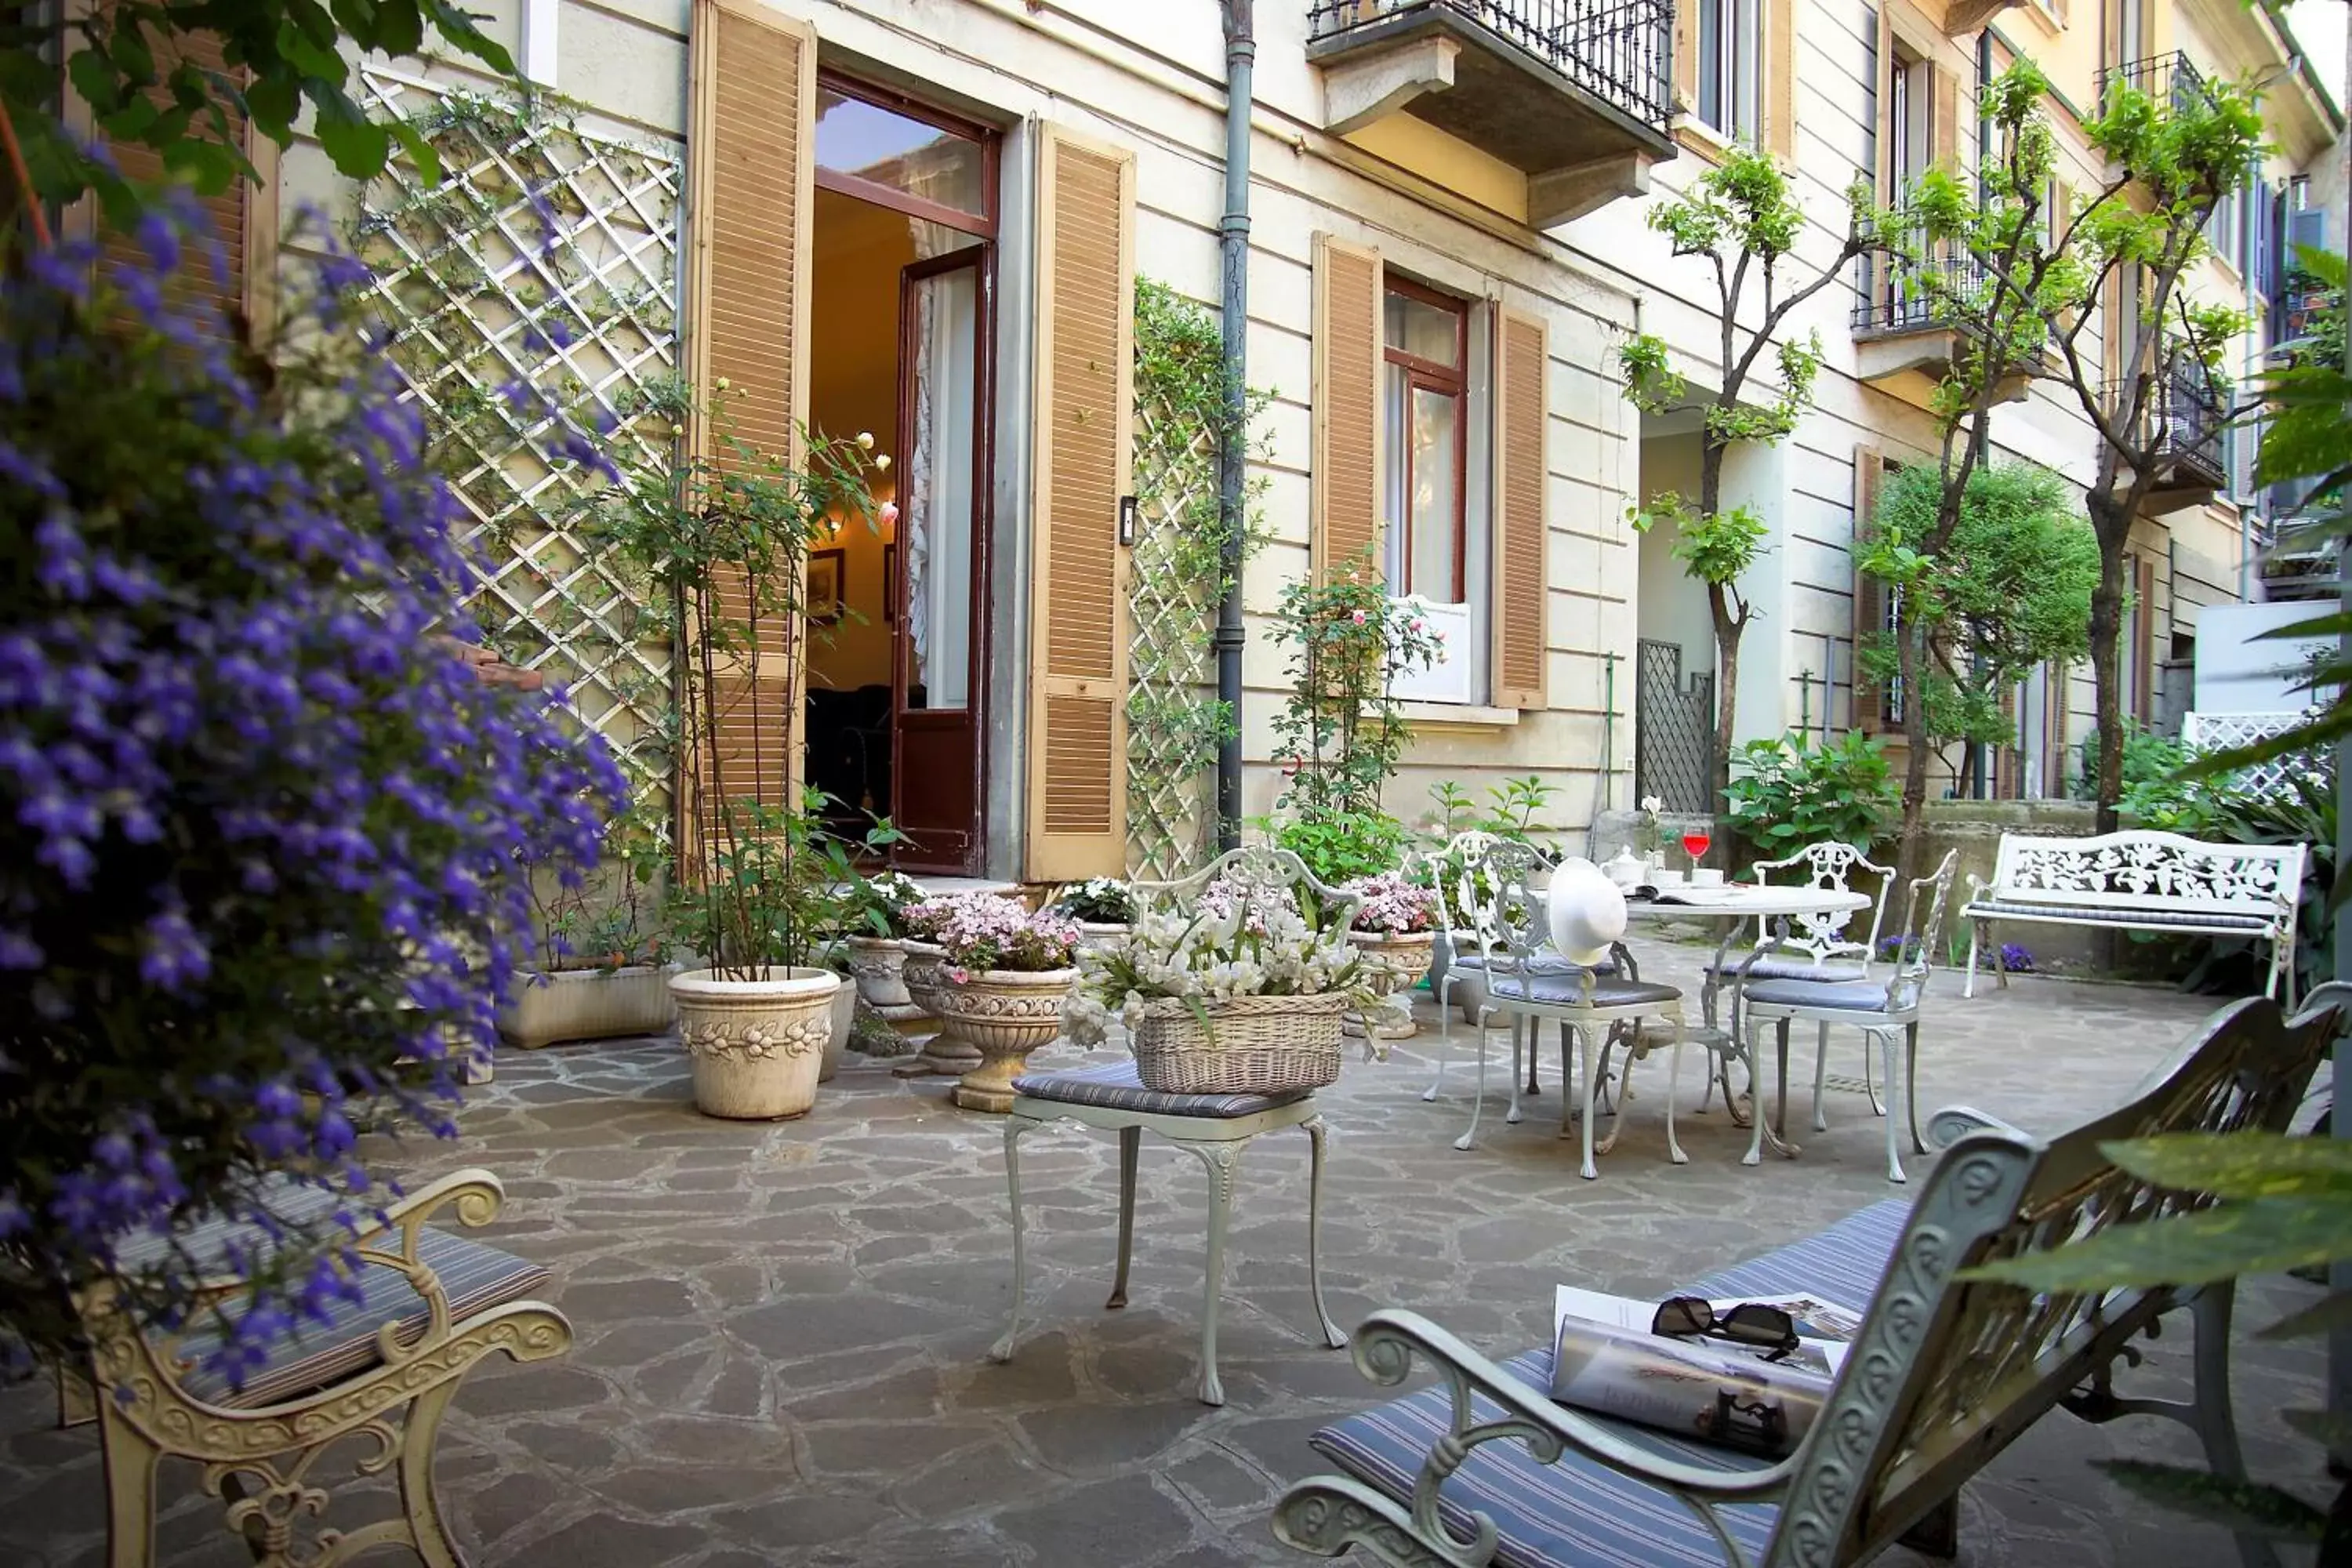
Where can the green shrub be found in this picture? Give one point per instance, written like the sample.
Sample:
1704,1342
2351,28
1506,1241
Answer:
1340,847
1789,793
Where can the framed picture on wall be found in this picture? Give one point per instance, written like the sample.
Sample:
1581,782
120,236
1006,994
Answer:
825,596
889,577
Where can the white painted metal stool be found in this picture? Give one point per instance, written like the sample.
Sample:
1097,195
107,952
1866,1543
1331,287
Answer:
1215,1127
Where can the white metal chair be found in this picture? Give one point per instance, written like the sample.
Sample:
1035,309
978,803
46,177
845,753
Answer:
1879,1008
1584,1000
1818,948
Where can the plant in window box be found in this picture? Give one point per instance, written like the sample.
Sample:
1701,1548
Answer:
1004,979
724,538
1395,929
1104,908
876,922
602,959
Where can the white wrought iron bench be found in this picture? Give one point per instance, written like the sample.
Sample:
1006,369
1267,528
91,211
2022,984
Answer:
2143,880
381,1371
1483,1466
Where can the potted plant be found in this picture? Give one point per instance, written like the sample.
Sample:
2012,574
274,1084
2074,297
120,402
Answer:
1004,977
601,963
726,540
1104,908
1241,994
1396,930
876,942
943,1052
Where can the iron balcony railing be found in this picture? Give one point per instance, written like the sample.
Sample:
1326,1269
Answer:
2187,417
2168,78
1620,51
1908,288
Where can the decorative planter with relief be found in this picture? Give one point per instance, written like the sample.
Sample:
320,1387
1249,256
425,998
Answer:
878,964
921,974
588,1004
1005,1015
757,1044
1104,909
1000,984
1396,930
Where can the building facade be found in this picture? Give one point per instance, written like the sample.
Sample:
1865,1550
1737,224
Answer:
928,219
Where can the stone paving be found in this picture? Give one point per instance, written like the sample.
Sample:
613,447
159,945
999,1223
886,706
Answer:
781,1328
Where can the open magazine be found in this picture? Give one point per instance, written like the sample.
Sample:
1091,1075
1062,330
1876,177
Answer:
1606,1359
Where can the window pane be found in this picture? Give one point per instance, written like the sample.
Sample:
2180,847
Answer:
864,139
936,519
1437,515
1396,401
1710,63
1747,53
1424,331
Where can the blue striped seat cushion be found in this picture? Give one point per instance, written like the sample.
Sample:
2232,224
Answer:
2017,909
1118,1087
1796,966
1580,1513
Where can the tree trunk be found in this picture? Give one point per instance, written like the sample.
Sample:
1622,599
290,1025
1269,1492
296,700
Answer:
1727,631
1911,845
2106,673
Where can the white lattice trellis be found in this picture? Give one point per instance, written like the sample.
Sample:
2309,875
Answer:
544,259
2223,731
1170,734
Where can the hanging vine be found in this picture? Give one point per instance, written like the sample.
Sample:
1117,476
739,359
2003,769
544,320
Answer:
1174,719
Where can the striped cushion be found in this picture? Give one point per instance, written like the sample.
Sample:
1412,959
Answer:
1580,1513
2200,920
1847,995
1118,1087
475,1277
1792,968
1567,990
1535,964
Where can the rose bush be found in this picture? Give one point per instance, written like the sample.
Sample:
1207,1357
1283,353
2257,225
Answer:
261,832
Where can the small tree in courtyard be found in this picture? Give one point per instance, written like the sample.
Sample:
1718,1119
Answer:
1743,219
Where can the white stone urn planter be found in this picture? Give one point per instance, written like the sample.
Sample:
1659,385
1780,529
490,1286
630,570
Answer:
1393,962
757,1044
879,964
588,1004
926,984
1002,1015
1101,936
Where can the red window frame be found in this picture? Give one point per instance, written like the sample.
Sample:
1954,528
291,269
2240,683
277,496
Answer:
1454,380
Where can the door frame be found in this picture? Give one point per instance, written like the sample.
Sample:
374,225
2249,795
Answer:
979,257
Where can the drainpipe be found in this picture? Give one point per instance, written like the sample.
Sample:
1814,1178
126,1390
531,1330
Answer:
1233,449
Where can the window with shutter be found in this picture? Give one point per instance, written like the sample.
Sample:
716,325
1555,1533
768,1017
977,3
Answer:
753,89
1522,528
1085,391
1344,521
1869,595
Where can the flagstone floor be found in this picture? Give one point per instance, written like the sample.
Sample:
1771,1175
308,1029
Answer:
781,1328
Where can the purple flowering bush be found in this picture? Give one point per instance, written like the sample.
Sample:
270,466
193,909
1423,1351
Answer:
981,931
259,829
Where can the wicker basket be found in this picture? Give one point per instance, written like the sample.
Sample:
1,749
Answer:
1255,1045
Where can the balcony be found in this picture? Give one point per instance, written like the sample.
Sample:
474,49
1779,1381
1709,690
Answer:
2185,425
1901,314
2169,79
1576,94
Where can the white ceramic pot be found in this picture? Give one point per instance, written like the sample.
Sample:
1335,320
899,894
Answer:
588,1004
919,973
836,1046
880,963
1101,936
757,1044
1005,1015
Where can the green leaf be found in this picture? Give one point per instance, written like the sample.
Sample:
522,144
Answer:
2240,1165
2265,1237
2243,1506
420,151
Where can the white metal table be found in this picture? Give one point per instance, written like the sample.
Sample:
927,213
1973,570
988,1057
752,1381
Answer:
1731,906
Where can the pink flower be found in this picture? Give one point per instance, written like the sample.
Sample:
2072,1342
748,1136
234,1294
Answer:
960,977
1416,625
888,516
1357,618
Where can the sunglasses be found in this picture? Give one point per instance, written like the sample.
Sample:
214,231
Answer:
1749,1324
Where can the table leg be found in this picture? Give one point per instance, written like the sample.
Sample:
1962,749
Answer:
1590,1172
1130,1146
1014,1127
1315,1133
1222,1162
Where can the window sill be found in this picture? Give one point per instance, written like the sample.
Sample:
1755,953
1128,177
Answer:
1458,717
1700,139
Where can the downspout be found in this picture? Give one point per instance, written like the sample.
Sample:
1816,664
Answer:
1232,445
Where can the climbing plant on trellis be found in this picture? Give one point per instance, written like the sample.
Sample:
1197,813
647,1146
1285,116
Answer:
1177,578
526,297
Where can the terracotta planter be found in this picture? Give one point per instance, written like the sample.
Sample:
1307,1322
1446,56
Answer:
1003,1014
1395,963
588,1004
757,1044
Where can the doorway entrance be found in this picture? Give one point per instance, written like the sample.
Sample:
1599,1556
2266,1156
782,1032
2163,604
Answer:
901,344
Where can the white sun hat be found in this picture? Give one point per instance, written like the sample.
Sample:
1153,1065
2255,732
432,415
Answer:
1587,912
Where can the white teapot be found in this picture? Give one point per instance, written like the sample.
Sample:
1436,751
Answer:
1626,871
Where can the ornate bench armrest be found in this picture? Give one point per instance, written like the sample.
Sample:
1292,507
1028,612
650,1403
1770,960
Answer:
1979,886
1326,1514
1952,1124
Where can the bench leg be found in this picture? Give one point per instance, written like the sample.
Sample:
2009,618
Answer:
1315,1134
1130,1148
131,1461
417,1501
2216,1422
1014,1127
1976,937
1223,1164
1938,1533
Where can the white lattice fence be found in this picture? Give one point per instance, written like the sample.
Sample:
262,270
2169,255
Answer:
1171,734
2224,731
538,272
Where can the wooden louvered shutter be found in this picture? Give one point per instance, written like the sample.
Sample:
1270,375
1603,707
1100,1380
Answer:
2143,643
243,217
1084,423
1869,594
1344,528
1780,79
1522,592
1686,55
754,89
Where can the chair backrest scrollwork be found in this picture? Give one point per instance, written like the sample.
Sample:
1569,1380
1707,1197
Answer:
1923,934
1260,872
1822,932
